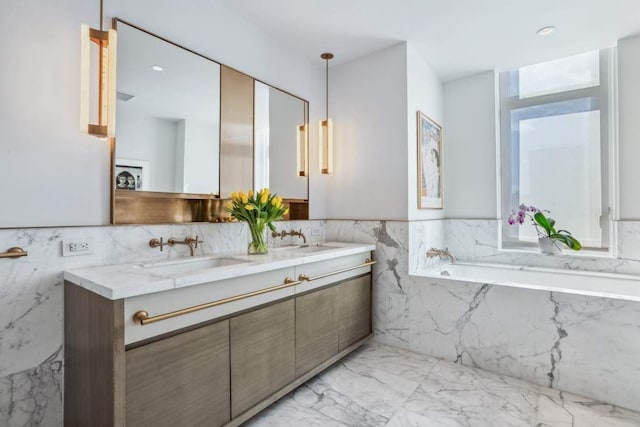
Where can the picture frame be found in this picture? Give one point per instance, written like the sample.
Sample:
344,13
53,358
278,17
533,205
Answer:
132,175
429,163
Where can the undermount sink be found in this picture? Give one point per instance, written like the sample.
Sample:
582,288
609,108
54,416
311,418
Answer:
170,268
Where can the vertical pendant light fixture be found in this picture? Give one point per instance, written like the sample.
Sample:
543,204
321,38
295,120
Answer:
326,127
106,42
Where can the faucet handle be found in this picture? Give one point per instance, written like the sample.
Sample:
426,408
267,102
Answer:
196,241
154,243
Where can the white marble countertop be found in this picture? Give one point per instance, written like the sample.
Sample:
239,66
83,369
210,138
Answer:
134,279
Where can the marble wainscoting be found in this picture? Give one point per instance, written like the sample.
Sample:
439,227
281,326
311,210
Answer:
392,282
31,300
390,274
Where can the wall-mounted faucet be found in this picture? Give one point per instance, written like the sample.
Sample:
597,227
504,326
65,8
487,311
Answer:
433,252
189,241
283,234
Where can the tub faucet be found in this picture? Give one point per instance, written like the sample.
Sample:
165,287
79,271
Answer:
433,252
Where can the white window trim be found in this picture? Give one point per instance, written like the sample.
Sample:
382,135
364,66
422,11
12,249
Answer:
609,69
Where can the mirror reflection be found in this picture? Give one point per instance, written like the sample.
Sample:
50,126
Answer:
280,142
168,114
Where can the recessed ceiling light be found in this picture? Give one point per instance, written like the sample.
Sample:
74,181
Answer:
546,31
157,67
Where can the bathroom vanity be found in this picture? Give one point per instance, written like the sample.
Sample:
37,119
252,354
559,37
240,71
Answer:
209,340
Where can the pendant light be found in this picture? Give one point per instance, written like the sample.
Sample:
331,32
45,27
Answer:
106,42
326,127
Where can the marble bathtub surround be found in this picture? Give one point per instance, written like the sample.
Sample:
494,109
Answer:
385,386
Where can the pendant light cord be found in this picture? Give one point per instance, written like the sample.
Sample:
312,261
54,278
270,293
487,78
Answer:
326,102
101,9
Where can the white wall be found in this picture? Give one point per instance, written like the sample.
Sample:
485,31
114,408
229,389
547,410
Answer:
470,147
368,104
629,126
50,172
424,93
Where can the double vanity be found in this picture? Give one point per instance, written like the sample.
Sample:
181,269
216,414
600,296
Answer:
209,340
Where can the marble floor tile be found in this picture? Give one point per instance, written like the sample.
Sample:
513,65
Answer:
380,385
471,398
287,412
396,361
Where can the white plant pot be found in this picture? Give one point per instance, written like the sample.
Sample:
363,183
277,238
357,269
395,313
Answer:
548,246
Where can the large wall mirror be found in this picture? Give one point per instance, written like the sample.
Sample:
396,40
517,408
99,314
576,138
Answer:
168,115
190,130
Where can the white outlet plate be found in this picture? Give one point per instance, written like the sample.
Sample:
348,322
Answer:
316,231
75,247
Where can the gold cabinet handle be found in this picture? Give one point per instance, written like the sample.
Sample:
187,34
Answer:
305,278
143,317
14,253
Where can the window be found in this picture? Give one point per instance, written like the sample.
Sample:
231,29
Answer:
556,128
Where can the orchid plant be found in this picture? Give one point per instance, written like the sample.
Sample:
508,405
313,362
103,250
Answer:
259,210
544,224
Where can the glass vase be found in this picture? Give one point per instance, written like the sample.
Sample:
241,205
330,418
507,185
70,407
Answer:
258,243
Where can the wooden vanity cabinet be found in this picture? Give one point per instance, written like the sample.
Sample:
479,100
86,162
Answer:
182,380
216,372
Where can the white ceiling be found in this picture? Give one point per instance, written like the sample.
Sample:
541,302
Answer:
457,37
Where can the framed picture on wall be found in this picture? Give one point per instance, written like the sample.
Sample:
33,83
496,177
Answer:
131,175
429,163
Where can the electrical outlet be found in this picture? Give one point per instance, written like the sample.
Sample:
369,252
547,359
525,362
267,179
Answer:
79,247
316,231
74,247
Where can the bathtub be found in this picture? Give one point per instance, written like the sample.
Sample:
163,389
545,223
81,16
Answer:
607,285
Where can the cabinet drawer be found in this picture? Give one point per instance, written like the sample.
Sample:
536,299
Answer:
178,299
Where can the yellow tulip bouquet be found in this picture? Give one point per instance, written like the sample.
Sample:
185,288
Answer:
258,210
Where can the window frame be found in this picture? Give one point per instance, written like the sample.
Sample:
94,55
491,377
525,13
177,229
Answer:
606,95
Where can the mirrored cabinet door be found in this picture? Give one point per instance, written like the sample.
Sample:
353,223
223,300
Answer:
168,114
